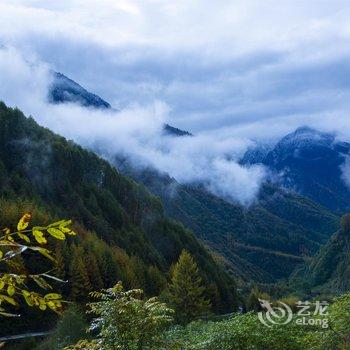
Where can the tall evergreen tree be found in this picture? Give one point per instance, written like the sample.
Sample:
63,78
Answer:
156,281
138,268
186,290
108,269
62,264
80,283
94,272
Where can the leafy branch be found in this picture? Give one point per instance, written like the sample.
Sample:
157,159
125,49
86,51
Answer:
15,285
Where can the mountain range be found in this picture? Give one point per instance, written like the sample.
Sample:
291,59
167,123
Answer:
293,217
42,170
309,162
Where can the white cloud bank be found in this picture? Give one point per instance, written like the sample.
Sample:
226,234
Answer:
228,71
216,63
135,132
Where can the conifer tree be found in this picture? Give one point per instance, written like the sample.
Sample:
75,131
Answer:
108,269
253,303
60,261
94,271
61,266
186,290
138,268
80,283
156,281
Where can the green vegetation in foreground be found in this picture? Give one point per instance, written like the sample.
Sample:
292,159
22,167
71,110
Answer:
129,320
150,328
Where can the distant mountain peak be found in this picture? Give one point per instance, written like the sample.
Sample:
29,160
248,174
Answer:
307,134
306,130
308,161
170,130
64,90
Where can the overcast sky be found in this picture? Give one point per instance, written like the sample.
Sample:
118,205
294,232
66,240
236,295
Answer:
216,64
231,72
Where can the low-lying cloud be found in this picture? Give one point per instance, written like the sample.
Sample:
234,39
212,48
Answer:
135,132
229,72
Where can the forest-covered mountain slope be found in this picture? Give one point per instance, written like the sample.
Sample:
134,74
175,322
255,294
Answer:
70,182
263,242
329,270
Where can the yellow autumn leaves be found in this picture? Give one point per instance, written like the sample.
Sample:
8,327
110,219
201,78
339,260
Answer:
24,222
52,300
15,243
57,230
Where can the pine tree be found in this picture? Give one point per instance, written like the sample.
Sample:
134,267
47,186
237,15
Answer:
156,281
60,260
80,283
186,290
61,263
138,267
253,303
94,271
108,269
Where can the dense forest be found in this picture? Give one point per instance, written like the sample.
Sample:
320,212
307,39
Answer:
139,280
264,242
123,233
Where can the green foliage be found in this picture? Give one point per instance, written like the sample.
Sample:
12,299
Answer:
85,345
56,178
328,271
186,290
339,320
80,282
15,280
70,328
245,331
240,332
127,321
264,242
337,336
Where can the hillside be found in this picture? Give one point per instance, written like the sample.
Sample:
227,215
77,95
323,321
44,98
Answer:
264,242
52,173
329,270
